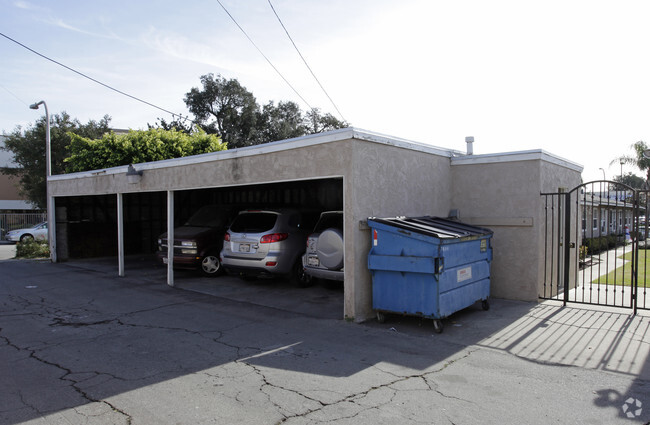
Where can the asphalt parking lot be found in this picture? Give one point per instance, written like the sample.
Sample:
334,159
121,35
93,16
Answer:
81,346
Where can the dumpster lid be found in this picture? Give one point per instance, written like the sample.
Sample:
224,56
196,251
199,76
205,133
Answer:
438,227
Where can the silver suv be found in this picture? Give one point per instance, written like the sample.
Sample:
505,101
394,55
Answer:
325,256
266,243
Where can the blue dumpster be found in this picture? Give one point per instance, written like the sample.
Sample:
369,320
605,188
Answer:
428,266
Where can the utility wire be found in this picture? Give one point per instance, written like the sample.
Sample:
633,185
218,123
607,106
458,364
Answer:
19,99
94,80
262,53
303,59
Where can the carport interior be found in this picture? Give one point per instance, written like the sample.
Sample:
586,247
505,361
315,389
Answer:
87,225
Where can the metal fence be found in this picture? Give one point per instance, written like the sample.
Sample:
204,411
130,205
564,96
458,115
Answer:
19,221
595,246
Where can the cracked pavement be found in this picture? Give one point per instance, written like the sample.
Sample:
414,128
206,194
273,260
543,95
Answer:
79,345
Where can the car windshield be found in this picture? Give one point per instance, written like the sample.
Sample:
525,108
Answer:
208,216
329,220
255,222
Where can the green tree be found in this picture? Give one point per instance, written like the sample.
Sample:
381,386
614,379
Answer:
280,122
184,125
316,122
631,180
225,107
28,149
638,159
138,146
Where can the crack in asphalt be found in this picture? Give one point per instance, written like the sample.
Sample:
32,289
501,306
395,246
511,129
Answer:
73,384
355,398
73,318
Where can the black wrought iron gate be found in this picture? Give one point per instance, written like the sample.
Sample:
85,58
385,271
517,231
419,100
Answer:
595,246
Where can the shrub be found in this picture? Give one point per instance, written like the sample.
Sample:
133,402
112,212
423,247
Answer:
32,249
602,243
611,241
584,250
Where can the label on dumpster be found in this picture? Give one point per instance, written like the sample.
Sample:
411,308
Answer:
374,237
464,274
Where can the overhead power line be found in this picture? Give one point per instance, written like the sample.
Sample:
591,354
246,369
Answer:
11,93
93,79
263,55
305,62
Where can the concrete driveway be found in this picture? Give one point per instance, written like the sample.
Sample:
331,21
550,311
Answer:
79,345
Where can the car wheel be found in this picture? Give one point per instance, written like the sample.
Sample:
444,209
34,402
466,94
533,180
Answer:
211,266
26,238
298,275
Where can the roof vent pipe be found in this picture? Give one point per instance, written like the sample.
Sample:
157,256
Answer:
470,145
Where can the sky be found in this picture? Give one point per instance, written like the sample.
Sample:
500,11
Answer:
569,77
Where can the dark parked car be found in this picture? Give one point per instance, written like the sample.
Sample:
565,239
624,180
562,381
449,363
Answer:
197,243
325,256
267,243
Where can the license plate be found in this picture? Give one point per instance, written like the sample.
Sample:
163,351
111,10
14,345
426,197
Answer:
313,261
245,247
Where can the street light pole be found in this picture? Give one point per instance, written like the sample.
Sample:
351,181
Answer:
603,170
622,161
51,239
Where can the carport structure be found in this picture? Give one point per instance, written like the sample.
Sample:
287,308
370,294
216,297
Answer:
364,174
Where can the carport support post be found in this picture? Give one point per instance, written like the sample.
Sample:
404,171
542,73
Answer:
170,238
120,235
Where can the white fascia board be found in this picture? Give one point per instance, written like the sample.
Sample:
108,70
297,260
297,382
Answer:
266,148
531,155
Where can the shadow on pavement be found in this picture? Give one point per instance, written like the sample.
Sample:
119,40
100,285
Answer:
92,336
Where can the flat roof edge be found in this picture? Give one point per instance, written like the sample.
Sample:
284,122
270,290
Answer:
266,148
529,155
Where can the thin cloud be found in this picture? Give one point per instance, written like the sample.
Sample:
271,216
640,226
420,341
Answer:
61,24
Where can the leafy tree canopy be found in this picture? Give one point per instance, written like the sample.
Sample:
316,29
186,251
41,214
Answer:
28,148
631,180
638,159
224,107
137,146
227,108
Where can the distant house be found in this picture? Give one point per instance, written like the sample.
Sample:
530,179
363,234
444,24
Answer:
603,215
10,199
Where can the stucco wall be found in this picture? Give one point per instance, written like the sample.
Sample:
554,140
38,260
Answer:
387,182
379,179
554,179
230,169
382,177
503,194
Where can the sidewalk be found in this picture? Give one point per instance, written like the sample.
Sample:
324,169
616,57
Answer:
611,292
7,250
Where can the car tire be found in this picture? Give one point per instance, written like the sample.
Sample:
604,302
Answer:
330,248
26,237
211,265
298,276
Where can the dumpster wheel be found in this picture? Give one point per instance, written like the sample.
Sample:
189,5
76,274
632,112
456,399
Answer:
437,326
485,304
381,317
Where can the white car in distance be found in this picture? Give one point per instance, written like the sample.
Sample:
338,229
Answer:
38,232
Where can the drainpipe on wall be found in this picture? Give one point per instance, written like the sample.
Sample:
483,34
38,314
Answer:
470,145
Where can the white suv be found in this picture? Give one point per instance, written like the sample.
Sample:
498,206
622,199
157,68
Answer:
324,257
266,243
